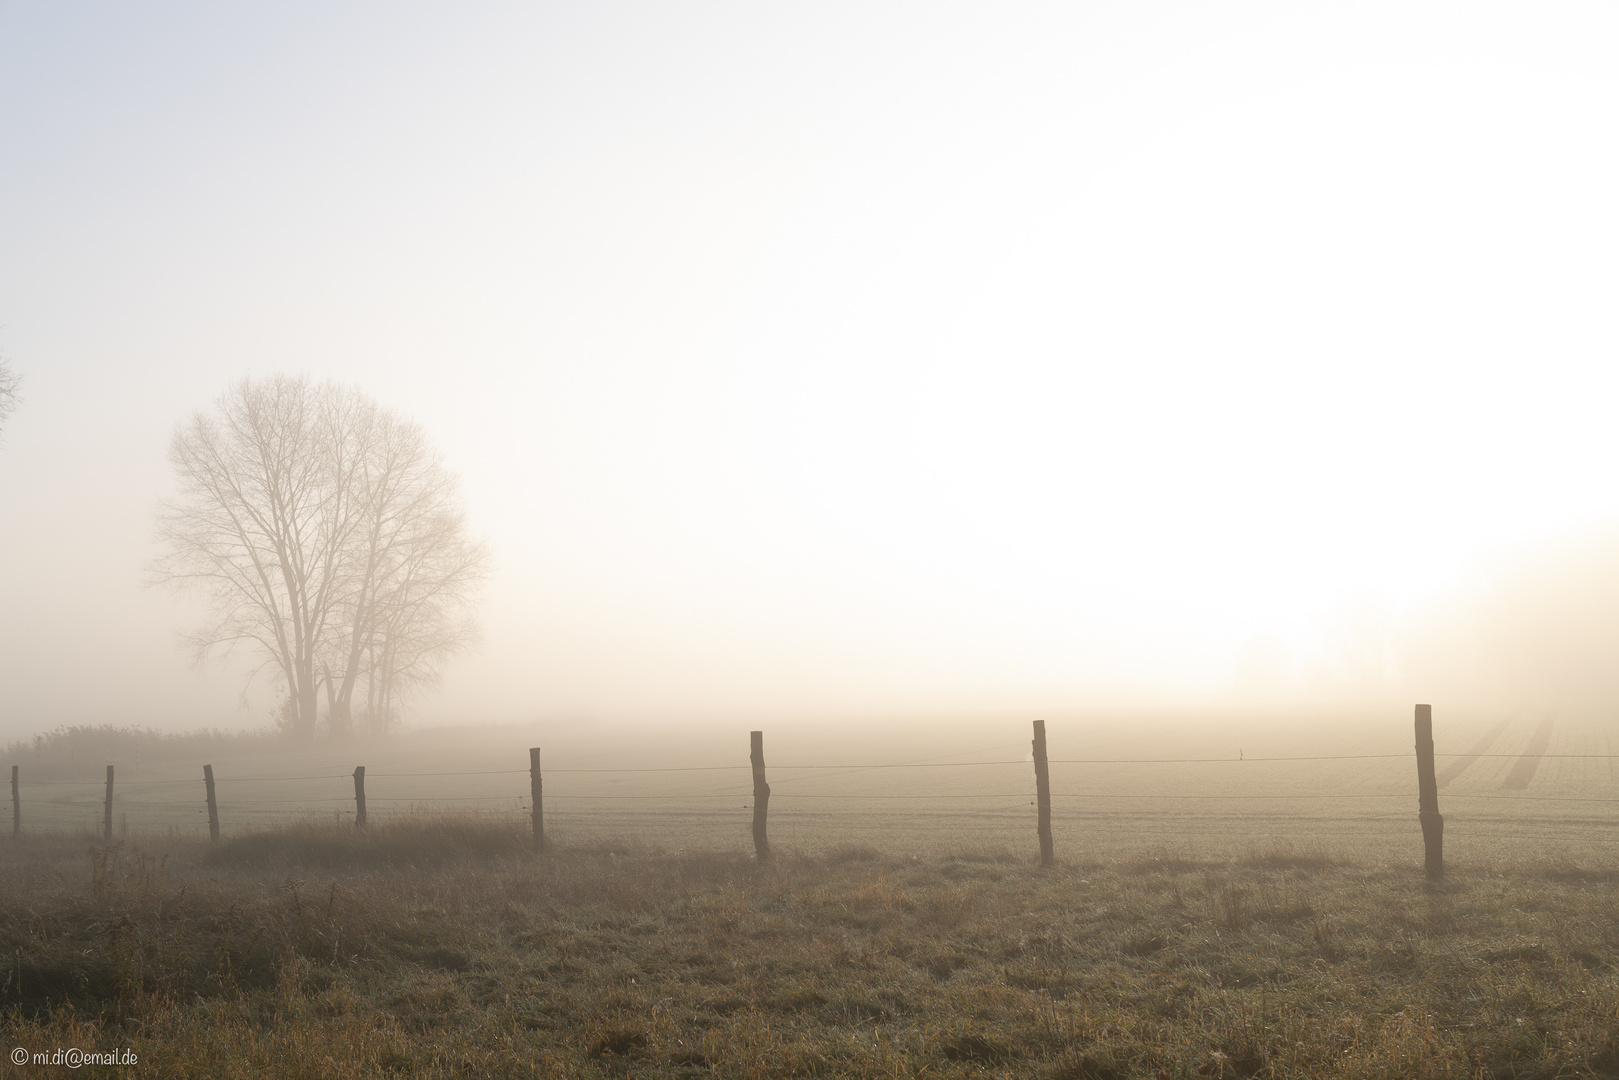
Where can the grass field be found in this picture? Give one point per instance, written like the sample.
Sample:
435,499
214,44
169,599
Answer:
436,947
1219,916
1342,782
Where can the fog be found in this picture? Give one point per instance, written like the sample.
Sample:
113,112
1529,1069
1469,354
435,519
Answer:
843,361
1541,625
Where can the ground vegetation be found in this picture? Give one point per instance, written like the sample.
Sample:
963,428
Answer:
440,946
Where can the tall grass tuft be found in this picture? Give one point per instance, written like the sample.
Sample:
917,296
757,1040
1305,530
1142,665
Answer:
405,840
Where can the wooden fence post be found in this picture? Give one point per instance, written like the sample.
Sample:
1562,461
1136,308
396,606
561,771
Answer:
213,807
534,797
761,795
1042,789
1433,826
359,796
16,804
106,814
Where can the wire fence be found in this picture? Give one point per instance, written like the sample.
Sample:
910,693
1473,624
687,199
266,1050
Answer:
1155,800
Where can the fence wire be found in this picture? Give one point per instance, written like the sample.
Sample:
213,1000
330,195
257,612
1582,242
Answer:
73,800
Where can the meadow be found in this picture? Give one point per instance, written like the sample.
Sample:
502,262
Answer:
1288,936
1210,784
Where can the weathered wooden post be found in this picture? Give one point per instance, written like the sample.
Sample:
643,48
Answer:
534,797
16,804
761,796
106,813
359,796
213,807
1433,826
1042,789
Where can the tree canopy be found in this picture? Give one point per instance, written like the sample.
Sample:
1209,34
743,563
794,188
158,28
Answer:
326,534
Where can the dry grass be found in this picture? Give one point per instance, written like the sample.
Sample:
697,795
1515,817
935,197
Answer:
439,947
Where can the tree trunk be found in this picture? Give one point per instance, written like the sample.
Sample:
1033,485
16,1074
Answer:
303,722
371,692
386,698
340,720
340,698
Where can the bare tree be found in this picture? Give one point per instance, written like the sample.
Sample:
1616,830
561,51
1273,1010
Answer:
419,625
10,381
415,574
297,503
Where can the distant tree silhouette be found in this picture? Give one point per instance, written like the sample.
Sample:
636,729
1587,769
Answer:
9,383
413,574
326,532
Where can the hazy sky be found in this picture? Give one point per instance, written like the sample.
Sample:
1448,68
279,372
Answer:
819,357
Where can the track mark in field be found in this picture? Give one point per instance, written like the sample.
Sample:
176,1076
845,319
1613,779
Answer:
1478,750
1524,770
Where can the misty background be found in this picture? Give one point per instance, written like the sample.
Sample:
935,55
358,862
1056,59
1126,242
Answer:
844,360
